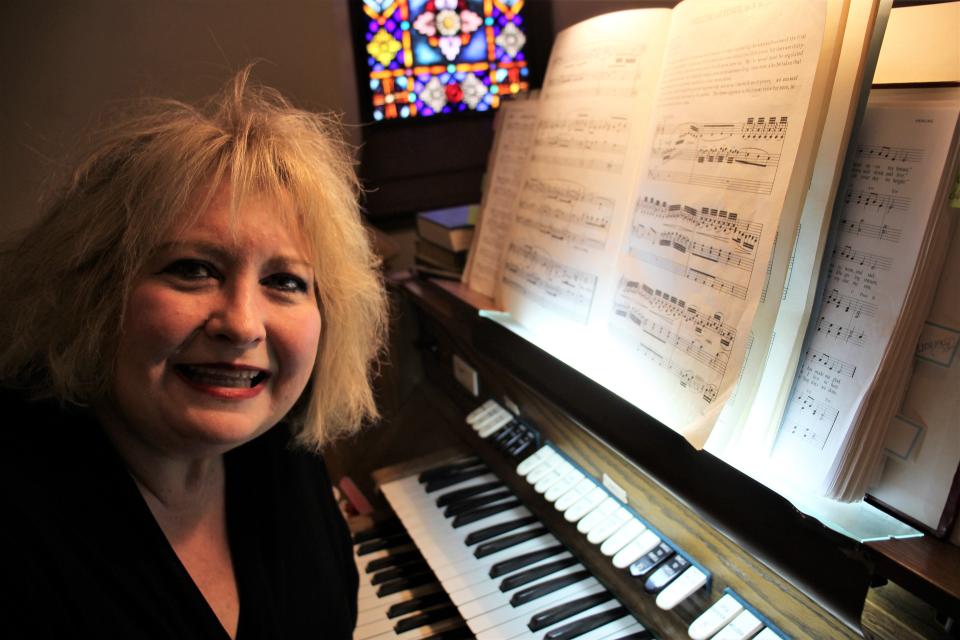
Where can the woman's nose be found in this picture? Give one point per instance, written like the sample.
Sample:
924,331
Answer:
237,316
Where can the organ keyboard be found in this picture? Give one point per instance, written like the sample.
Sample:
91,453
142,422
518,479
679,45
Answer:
666,544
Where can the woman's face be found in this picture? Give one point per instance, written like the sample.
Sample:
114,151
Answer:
220,333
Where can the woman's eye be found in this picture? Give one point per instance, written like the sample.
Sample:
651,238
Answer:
286,282
190,270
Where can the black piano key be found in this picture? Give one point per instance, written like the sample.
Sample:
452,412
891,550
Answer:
643,634
517,580
379,530
418,604
401,584
392,560
454,479
517,450
469,504
459,494
547,587
552,616
510,565
488,548
644,565
457,633
584,625
427,617
475,515
395,540
402,571
482,535
505,434
447,469
666,574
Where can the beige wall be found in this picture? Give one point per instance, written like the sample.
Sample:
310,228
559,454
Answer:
64,60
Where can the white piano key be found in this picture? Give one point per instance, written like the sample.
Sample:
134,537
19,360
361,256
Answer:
527,464
767,634
569,480
544,469
444,571
622,537
499,616
517,627
688,583
713,619
601,513
618,626
636,549
385,602
557,474
585,505
490,585
493,426
420,632
498,598
612,524
742,627
582,488
488,406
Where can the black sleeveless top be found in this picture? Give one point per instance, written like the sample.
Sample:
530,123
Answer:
83,555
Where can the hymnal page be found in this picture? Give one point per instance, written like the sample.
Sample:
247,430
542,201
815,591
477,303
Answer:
748,424
571,205
728,125
891,192
516,124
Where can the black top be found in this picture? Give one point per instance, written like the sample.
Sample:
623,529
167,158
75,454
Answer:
84,557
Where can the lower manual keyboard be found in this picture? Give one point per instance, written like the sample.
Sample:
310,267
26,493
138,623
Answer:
507,576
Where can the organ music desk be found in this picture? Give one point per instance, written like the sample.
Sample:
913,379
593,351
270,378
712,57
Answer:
804,579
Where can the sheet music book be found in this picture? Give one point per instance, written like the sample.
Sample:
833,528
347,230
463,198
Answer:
661,188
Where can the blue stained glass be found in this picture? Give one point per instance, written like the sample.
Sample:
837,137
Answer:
404,111
424,54
390,26
488,21
416,6
494,89
524,72
377,114
402,82
476,49
405,25
501,75
412,96
374,85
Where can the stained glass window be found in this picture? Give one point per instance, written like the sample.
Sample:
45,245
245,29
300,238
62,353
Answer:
443,56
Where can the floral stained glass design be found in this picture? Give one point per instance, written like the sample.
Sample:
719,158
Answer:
443,56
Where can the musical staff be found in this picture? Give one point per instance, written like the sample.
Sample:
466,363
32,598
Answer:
709,280
591,164
686,377
849,304
689,153
873,200
664,333
850,334
603,69
683,243
551,284
863,258
717,223
672,306
870,230
895,154
836,365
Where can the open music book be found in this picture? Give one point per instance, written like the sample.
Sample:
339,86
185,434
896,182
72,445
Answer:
641,215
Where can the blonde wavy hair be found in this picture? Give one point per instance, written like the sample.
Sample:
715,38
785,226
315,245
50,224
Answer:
64,283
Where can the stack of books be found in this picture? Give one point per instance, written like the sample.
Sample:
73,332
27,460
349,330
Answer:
443,238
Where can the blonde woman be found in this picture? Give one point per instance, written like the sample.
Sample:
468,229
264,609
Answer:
193,318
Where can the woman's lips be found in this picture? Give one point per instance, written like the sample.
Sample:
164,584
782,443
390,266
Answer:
224,380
